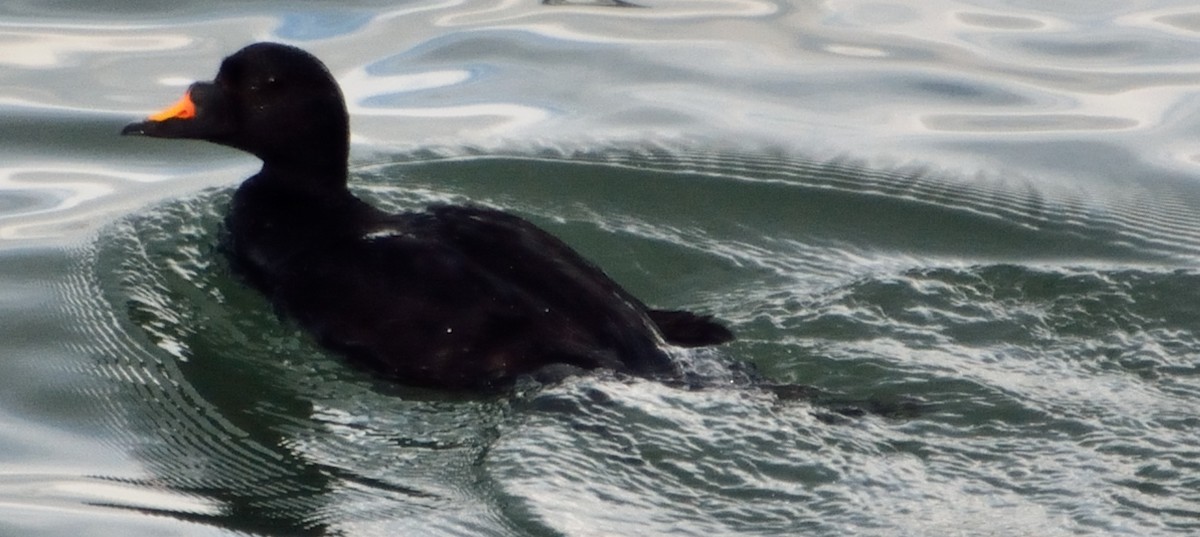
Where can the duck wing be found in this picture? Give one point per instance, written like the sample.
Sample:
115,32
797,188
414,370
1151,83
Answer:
521,258
687,329
535,254
461,297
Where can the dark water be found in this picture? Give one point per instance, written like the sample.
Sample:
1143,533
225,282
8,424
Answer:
988,208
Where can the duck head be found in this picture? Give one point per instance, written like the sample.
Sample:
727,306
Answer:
274,101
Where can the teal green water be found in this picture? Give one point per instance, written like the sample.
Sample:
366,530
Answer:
988,208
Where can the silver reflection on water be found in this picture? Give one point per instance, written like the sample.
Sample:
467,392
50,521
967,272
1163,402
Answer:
989,205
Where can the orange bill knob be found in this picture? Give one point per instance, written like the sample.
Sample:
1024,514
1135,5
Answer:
183,109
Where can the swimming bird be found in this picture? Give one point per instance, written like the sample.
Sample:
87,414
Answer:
454,296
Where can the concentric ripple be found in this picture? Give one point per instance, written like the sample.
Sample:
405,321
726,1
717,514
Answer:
1052,347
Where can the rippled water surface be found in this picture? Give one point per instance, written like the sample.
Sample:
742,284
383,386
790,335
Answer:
970,226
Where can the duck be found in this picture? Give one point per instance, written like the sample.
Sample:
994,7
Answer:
458,297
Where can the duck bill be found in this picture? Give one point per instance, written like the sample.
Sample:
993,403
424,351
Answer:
180,120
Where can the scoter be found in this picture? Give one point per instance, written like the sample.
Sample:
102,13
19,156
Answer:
454,297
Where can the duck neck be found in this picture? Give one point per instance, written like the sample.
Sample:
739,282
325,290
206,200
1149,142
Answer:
314,176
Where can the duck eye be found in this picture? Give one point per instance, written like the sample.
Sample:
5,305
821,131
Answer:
268,84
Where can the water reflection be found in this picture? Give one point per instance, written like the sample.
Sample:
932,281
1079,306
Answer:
594,3
226,402
993,124
57,48
1186,22
323,24
995,21
46,192
922,198
879,80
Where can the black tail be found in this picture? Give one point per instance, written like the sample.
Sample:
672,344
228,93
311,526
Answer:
687,329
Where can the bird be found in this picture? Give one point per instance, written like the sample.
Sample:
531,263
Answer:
454,296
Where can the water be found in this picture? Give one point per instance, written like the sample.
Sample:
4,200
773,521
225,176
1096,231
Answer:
985,206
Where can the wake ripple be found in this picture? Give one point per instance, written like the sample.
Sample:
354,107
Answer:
1158,224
